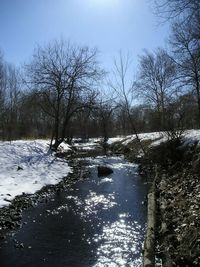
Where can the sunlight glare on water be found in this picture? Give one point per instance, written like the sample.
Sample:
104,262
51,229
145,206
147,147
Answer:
93,200
93,203
118,243
118,240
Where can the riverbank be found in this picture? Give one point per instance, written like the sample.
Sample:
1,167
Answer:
177,187
11,215
178,198
30,175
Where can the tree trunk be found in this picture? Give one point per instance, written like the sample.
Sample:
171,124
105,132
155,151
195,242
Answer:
198,99
136,133
56,144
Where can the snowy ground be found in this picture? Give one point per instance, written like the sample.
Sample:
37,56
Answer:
39,168
157,137
143,136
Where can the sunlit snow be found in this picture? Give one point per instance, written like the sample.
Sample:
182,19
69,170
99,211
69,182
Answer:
27,166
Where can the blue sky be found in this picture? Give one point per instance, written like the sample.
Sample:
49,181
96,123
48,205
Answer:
109,25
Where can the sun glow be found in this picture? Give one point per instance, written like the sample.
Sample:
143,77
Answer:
103,3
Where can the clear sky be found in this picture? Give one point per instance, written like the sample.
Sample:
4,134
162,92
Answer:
109,25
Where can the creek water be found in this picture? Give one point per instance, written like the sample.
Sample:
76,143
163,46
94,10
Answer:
97,222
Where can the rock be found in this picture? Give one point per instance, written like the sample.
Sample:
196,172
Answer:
18,245
104,170
21,245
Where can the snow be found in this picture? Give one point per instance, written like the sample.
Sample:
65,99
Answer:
192,135
125,140
115,139
156,137
63,146
92,144
39,168
86,146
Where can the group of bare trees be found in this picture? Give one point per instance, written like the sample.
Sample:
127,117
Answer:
184,41
156,82
59,94
9,99
64,77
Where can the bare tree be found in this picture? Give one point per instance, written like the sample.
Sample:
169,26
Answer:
155,82
186,53
2,79
105,112
186,9
9,92
12,100
124,88
2,96
65,76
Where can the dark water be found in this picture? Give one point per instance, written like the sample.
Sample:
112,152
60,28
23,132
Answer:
98,222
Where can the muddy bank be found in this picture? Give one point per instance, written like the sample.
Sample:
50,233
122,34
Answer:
177,189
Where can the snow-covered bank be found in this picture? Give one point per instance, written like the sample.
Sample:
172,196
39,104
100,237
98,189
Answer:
156,137
27,166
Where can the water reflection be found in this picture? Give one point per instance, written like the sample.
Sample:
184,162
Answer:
118,243
92,204
58,210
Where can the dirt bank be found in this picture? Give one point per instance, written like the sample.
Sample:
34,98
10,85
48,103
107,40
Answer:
178,199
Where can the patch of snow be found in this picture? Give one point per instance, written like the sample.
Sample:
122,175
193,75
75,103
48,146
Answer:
27,166
64,146
151,136
157,138
125,140
91,145
115,139
191,136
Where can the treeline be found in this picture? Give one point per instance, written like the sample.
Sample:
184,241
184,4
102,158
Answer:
61,93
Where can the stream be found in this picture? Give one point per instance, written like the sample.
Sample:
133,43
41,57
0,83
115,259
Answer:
97,222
